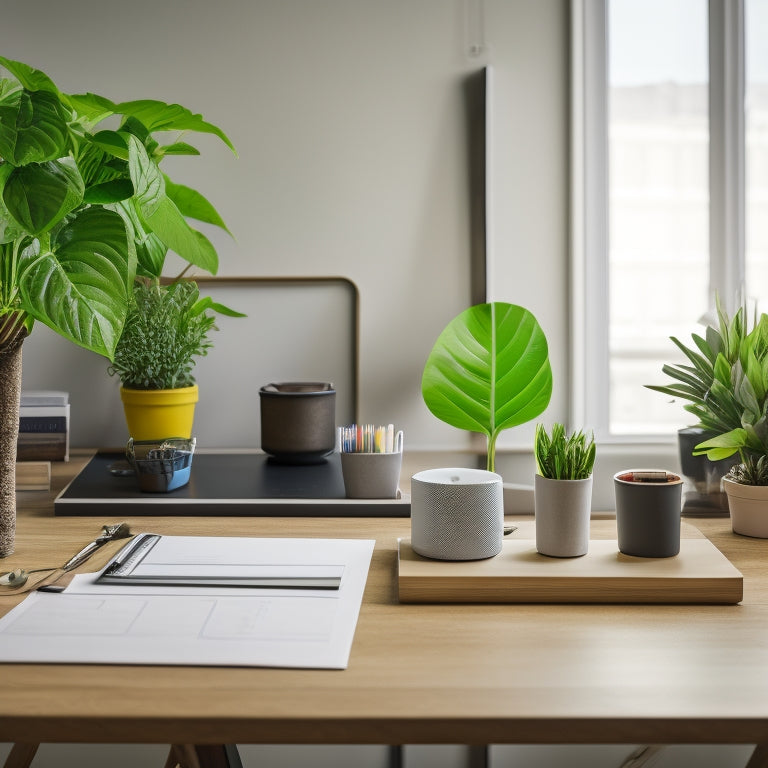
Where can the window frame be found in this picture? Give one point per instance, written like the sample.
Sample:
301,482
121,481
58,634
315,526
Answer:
589,235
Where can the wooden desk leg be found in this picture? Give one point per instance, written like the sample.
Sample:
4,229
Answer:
395,756
21,755
203,756
478,756
759,757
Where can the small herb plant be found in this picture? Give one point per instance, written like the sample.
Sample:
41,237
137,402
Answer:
752,471
563,457
167,328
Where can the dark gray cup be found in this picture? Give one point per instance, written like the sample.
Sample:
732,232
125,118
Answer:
648,505
298,421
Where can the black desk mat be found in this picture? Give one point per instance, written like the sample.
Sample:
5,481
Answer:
225,484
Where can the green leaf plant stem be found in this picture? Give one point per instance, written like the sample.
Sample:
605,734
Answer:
488,370
726,386
560,456
84,208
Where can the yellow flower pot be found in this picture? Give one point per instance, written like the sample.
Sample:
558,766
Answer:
154,414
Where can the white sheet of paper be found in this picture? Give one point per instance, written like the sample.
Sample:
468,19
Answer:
91,623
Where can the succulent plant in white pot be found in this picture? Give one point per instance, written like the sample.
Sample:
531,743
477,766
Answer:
563,491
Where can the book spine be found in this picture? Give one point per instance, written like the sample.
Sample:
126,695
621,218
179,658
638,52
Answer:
43,424
49,451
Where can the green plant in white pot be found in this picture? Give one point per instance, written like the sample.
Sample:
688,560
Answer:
726,386
488,371
83,208
563,491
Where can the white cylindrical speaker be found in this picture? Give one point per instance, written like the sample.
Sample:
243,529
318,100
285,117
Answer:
457,514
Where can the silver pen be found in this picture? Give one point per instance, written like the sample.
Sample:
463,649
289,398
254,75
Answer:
111,532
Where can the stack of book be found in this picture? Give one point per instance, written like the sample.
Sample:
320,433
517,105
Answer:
43,426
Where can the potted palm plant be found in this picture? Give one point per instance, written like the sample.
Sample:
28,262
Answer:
83,209
563,491
726,386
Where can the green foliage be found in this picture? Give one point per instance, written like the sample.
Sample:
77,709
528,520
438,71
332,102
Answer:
753,471
488,371
564,457
166,329
83,210
726,385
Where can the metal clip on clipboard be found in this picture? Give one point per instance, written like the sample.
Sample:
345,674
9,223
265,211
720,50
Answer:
130,568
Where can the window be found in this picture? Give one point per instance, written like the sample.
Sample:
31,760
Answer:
670,191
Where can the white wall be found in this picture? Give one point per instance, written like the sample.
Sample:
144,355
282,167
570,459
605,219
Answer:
348,119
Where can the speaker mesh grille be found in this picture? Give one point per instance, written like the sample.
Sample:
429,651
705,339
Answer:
454,522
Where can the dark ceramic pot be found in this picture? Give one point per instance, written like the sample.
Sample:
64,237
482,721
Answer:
298,421
648,513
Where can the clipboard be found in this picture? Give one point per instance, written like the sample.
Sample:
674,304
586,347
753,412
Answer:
151,559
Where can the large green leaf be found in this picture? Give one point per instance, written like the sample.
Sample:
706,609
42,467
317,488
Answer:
112,142
32,79
722,446
91,107
109,192
9,227
161,216
150,250
40,195
193,204
33,127
159,116
489,370
81,286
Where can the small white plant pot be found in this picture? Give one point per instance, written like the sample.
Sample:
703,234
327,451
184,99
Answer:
748,505
562,512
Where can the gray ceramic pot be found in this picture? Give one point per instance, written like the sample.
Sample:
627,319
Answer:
298,421
562,512
648,512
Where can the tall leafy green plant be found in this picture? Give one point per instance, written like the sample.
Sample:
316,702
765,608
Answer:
725,385
84,208
488,371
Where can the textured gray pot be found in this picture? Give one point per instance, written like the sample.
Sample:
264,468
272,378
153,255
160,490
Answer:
371,475
457,514
648,514
562,512
298,421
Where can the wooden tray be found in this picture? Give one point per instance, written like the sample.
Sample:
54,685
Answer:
519,574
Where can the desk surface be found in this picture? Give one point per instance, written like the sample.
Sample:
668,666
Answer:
419,673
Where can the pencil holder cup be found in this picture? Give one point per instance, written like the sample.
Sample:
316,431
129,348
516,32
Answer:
648,510
457,514
298,421
372,475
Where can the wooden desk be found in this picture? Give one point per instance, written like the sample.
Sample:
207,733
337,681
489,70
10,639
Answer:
442,674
